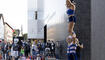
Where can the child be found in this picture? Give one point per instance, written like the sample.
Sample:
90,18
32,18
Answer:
22,51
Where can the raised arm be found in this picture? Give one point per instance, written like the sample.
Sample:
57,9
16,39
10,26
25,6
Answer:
78,44
81,46
70,5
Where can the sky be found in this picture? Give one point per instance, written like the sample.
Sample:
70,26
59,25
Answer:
15,13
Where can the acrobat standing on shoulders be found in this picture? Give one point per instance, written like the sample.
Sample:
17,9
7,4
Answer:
72,19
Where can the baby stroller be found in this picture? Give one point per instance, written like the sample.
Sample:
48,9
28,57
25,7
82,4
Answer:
47,52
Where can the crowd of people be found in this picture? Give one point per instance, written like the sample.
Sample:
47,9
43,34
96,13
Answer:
14,51
23,50
44,49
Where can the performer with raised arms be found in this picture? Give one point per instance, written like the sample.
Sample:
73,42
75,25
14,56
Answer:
72,19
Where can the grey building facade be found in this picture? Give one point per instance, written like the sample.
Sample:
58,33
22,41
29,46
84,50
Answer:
97,30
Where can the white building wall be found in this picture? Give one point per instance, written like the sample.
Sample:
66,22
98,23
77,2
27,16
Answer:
1,29
35,27
8,34
40,25
32,23
32,29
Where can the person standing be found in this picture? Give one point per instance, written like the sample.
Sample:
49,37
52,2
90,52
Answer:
39,47
22,51
49,44
48,48
1,53
72,19
53,48
71,49
3,48
8,53
28,49
12,52
15,49
34,50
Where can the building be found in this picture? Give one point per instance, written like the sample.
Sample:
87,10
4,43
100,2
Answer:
1,27
35,20
8,35
6,31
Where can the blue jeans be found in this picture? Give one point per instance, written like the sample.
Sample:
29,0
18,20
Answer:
34,53
72,56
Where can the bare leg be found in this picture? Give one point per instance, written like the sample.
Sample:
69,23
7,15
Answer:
71,27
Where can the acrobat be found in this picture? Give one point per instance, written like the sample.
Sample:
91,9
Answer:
72,19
